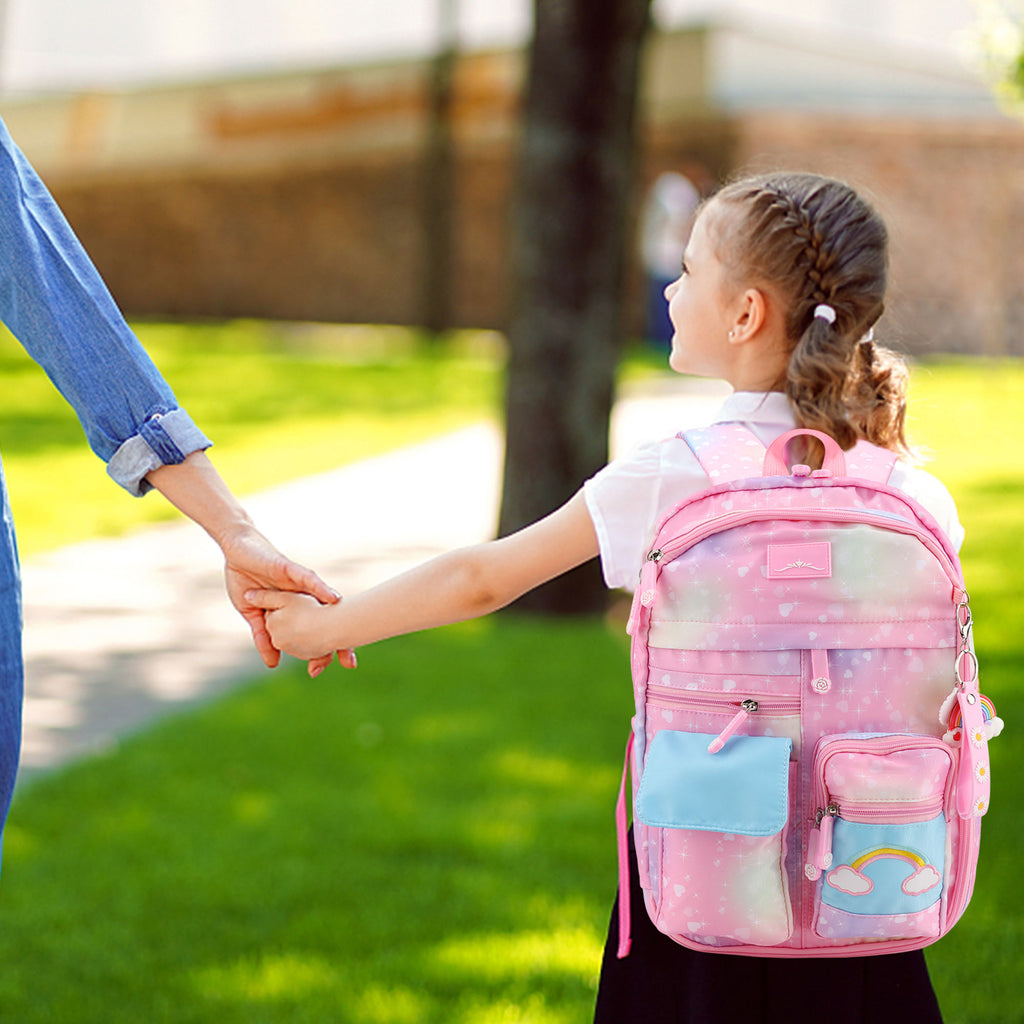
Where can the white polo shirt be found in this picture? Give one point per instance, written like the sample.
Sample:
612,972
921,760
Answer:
628,498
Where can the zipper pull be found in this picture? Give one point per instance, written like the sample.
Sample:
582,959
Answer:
819,844
645,591
747,708
649,577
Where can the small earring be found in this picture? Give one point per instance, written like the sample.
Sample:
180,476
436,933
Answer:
732,333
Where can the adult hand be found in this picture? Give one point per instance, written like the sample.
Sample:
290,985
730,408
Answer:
195,488
251,562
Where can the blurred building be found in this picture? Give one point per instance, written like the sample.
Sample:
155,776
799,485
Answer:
301,195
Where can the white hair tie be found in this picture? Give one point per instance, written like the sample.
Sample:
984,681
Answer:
825,312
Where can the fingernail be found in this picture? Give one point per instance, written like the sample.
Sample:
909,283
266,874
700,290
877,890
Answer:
314,672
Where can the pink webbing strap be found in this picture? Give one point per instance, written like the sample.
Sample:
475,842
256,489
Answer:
732,451
776,459
863,461
622,829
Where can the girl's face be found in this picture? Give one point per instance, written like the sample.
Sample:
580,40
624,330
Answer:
700,309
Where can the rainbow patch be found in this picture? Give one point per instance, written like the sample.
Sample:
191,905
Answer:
851,879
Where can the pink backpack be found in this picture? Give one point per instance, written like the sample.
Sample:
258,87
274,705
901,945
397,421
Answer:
809,751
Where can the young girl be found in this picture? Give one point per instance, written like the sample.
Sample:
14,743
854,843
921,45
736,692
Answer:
782,281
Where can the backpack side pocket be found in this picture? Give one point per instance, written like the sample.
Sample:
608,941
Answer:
721,822
882,872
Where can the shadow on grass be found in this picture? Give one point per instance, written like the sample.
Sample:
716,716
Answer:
428,839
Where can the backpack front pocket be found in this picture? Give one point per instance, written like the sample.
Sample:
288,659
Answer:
879,849
719,821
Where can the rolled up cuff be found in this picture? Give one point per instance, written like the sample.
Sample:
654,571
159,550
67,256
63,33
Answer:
164,439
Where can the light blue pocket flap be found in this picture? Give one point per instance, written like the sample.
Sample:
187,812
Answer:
741,790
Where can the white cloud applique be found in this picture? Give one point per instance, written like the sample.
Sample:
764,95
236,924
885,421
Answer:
921,881
849,880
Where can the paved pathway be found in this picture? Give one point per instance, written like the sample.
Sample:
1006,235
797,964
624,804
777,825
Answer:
120,631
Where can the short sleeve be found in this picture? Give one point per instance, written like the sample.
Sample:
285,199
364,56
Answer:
623,501
628,498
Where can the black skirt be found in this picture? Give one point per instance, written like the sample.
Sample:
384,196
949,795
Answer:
661,982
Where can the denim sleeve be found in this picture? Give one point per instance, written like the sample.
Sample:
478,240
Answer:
55,303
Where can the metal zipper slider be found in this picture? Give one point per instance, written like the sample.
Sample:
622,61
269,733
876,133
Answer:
747,708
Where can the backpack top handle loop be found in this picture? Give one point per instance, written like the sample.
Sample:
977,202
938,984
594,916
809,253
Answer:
775,463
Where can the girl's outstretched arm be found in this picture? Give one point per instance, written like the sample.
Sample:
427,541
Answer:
461,584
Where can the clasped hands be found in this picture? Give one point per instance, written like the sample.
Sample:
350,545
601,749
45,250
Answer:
253,564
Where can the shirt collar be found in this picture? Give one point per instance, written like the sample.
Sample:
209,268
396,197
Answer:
756,407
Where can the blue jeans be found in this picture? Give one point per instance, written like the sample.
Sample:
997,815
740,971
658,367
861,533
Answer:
53,300
11,671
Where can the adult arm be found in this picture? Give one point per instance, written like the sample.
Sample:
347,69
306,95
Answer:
55,303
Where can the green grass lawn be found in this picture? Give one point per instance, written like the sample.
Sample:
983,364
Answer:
972,416
430,839
372,847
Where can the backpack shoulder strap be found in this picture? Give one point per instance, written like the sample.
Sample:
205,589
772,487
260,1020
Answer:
732,451
726,451
867,461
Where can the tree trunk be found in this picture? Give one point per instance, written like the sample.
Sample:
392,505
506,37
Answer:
437,181
570,243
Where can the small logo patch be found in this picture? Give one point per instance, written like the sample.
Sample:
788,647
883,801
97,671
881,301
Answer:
800,561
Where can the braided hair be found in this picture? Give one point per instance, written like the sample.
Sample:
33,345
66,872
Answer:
815,242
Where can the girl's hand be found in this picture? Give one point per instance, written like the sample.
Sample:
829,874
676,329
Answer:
298,625
250,560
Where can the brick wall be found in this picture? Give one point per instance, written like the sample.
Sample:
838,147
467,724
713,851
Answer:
338,241
282,222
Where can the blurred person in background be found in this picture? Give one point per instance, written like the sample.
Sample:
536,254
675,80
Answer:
668,216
